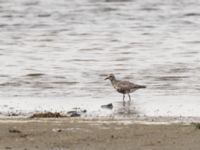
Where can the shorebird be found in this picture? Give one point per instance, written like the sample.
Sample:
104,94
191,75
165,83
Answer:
124,87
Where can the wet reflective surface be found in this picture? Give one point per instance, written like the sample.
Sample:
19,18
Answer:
66,48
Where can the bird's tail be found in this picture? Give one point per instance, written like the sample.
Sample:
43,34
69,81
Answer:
141,86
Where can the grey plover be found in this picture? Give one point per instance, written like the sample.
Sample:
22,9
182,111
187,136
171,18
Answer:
124,87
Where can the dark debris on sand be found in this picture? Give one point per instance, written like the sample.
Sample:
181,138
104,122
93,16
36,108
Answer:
14,131
197,125
47,115
74,114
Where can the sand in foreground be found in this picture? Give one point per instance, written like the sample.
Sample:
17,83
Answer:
64,134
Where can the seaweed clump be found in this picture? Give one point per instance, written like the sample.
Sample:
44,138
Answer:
47,115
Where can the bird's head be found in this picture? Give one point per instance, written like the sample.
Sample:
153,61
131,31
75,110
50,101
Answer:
110,77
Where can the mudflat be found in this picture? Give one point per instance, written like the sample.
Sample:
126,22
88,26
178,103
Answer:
80,134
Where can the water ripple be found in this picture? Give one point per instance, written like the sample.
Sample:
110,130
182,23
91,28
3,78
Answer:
66,48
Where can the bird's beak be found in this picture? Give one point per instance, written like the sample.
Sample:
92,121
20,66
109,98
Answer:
106,78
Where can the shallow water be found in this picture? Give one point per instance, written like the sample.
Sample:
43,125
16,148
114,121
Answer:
66,48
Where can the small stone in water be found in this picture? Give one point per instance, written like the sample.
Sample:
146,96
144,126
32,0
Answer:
109,106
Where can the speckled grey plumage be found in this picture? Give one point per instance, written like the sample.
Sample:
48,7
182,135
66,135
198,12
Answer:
124,87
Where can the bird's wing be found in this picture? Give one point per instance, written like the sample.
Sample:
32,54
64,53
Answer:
126,85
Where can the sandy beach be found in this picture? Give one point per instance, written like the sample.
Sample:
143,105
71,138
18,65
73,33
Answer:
81,134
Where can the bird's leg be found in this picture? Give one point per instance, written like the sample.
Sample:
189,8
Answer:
129,97
123,99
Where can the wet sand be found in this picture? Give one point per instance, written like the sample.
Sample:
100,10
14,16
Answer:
76,134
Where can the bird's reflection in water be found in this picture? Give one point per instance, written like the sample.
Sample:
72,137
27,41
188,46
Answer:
126,108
